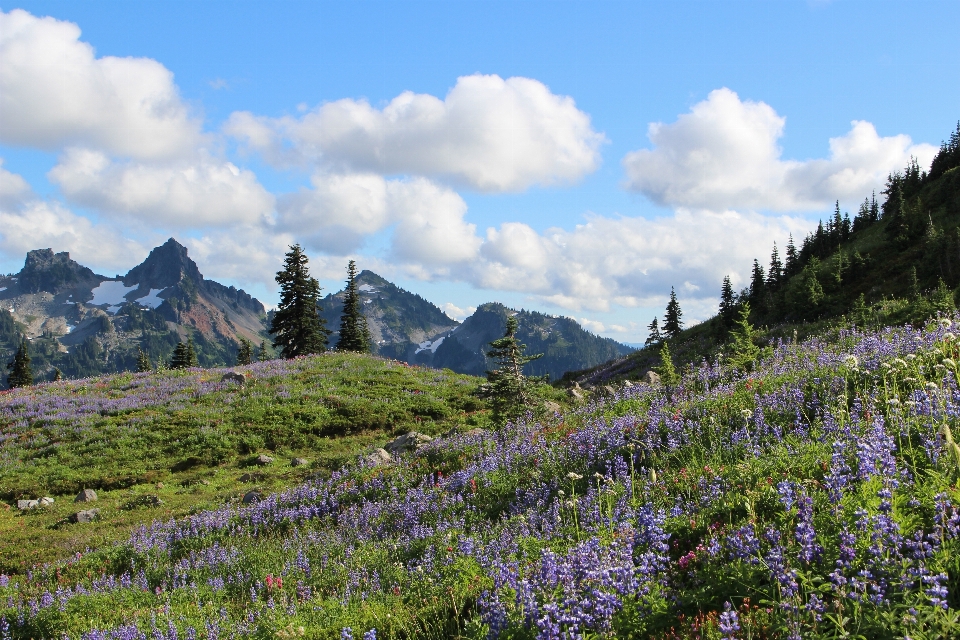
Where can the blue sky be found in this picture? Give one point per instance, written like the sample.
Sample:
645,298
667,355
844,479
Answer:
520,167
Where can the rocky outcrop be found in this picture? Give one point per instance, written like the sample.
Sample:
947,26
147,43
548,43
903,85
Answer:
45,270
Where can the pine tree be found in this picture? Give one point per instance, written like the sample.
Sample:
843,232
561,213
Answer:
757,284
654,336
743,351
668,373
297,324
57,375
180,358
262,355
775,274
244,352
354,334
143,361
509,388
792,265
21,374
672,321
728,302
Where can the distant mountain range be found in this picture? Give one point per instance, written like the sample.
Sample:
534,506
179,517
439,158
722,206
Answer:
84,324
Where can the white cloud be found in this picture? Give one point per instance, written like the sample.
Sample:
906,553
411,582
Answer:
342,210
244,253
627,261
13,188
38,224
457,313
724,154
592,325
488,133
55,92
196,192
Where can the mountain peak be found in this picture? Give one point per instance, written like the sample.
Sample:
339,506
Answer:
166,266
44,270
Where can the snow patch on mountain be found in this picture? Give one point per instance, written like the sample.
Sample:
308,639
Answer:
426,345
110,292
151,300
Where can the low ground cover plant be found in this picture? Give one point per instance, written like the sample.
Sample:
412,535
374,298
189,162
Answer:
814,496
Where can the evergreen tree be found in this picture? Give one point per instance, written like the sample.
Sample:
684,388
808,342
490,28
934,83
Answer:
180,358
262,355
792,265
57,375
672,321
668,373
192,361
914,285
298,326
942,299
757,284
354,334
509,388
654,336
728,302
775,274
244,353
743,351
143,361
21,374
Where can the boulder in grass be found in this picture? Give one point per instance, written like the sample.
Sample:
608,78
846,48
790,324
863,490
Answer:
234,378
610,391
85,517
45,501
252,477
26,505
299,462
576,392
552,407
651,378
408,442
627,383
87,495
252,497
263,460
377,458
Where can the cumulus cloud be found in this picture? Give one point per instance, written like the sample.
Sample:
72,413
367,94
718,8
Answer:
457,313
39,224
627,261
340,211
724,154
13,188
196,192
488,134
55,92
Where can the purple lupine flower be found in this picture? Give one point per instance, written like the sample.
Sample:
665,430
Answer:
370,635
729,622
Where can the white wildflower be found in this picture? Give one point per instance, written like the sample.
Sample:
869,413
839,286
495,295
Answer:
746,413
932,386
945,323
950,362
851,361
910,357
900,362
574,476
949,337
893,401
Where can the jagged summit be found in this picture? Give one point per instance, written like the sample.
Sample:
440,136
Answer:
44,270
166,266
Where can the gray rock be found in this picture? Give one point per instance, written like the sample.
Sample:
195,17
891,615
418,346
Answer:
236,378
476,431
252,497
651,377
377,458
25,505
552,407
45,501
627,383
299,462
576,392
252,477
87,495
263,460
84,517
609,390
407,442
